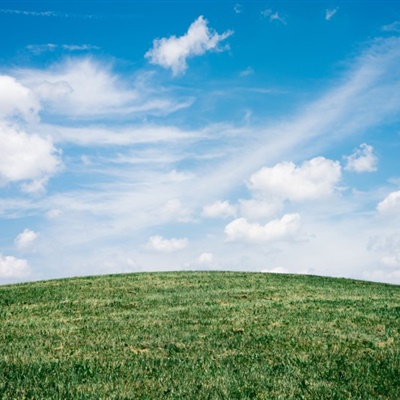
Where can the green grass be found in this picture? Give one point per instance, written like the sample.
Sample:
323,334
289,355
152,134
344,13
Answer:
200,335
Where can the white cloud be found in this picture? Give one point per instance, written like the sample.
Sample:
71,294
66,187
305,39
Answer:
31,13
158,243
394,27
87,88
175,210
25,157
273,16
257,209
276,17
246,72
205,258
25,240
276,270
390,204
79,47
38,49
238,8
266,13
330,13
314,179
362,159
278,229
219,209
17,100
80,87
11,267
172,52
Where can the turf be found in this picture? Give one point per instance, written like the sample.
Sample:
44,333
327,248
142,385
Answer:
200,335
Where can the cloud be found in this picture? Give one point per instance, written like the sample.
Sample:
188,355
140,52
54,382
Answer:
330,13
31,13
246,72
25,240
26,156
273,16
175,210
238,8
390,204
11,267
362,159
219,209
80,87
276,270
53,14
205,258
38,49
258,209
279,229
314,179
17,100
87,88
394,27
158,243
173,52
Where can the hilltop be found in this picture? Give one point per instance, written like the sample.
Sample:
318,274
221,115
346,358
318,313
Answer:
200,335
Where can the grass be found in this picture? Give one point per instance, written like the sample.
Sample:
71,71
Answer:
200,335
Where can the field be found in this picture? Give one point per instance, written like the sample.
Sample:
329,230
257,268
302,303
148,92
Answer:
200,335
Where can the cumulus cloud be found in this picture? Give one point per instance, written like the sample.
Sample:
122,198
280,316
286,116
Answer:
25,240
314,179
219,209
362,159
390,204
11,267
278,229
158,243
26,156
16,100
330,13
173,52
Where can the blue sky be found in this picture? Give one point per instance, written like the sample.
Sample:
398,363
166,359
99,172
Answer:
159,135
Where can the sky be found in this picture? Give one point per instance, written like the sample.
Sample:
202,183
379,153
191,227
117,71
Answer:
258,136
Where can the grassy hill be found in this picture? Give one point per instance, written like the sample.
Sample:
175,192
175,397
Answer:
200,335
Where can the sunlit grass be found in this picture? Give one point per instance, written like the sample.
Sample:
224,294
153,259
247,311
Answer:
200,335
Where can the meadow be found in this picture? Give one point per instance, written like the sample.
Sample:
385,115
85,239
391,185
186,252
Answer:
200,335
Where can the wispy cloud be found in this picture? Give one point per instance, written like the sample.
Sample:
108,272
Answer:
394,27
246,72
32,13
86,88
273,16
238,8
329,13
42,48
173,52
52,14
